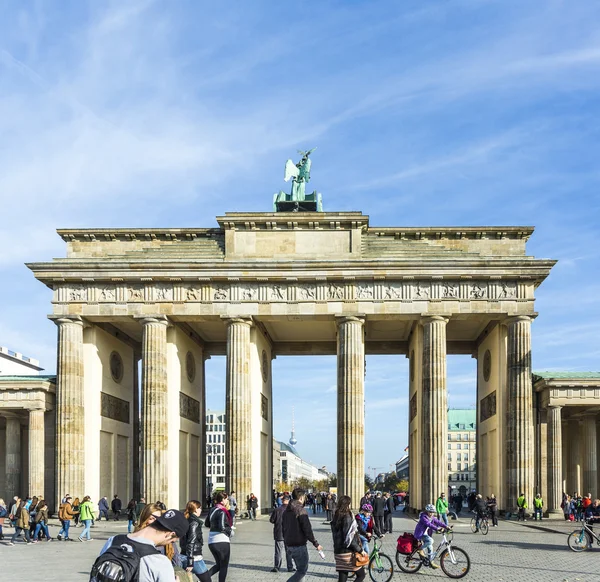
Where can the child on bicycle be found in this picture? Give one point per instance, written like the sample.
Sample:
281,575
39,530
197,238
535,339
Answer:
366,525
427,524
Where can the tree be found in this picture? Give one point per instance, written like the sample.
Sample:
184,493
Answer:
402,485
368,482
332,481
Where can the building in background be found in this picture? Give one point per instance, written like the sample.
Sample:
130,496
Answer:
16,364
402,468
462,461
215,451
289,466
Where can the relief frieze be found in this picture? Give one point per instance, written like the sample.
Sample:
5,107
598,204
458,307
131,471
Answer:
189,408
114,408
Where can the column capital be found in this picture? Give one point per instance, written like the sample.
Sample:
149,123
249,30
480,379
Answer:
246,320
10,415
148,319
426,319
513,319
340,319
555,406
65,319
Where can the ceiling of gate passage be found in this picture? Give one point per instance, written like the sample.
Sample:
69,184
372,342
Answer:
316,335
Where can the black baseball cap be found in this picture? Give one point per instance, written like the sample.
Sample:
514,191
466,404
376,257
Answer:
174,521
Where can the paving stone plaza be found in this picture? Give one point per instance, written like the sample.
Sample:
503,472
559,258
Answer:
511,552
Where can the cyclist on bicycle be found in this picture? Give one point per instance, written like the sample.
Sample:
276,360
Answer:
426,524
480,510
366,525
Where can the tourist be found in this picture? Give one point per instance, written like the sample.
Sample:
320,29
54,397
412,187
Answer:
441,506
12,516
219,522
252,506
346,542
103,508
139,508
366,525
86,515
41,521
146,542
116,505
492,507
521,506
3,514
21,524
538,505
65,515
232,508
586,506
427,524
567,507
191,542
329,507
130,515
76,505
379,513
297,531
480,509
406,502
366,498
280,549
388,511
32,508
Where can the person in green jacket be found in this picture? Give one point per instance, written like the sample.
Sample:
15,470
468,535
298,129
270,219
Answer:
441,507
86,515
522,505
538,504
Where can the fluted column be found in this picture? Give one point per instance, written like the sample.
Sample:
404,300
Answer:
155,445
520,443
554,461
70,423
435,409
351,407
238,409
13,456
36,452
574,481
590,456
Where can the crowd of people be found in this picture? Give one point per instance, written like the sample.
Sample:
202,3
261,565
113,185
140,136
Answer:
578,508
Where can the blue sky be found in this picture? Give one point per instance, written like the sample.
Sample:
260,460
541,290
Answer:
465,112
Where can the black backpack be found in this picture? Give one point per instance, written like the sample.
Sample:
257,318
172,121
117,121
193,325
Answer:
121,561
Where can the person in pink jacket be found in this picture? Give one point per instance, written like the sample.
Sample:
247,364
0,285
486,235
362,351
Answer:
426,524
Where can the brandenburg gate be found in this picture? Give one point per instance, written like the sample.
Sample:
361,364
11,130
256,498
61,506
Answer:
284,283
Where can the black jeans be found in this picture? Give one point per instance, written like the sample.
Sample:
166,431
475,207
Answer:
388,521
221,552
379,525
360,576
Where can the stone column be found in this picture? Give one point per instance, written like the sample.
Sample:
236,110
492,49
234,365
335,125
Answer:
520,443
434,410
13,457
155,449
351,407
554,461
36,452
590,456
70,423
238,409
574,456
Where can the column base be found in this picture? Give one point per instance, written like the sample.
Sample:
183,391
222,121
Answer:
555,514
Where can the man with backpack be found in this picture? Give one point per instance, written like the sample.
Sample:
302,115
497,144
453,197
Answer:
135,557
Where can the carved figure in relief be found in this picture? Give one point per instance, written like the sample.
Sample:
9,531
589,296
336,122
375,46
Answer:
307,292
135,293
77,294
249,293
193,294
422,291
449,290
364,292
107,294
336,291
220,293
477,291
277,292
507,291
392,293
162,293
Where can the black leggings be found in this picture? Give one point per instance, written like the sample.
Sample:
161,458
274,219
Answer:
360,575
221,552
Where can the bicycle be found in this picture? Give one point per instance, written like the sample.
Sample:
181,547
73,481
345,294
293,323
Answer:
484,526
582,539
454,561
381,567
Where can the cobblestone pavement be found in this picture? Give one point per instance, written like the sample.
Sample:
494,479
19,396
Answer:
511,552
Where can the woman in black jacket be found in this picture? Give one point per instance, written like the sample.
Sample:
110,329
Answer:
191,542
346,541
219,521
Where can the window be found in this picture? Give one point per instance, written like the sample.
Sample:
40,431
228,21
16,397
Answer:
465,456
450,467
458,446
462,427
458,467
458,437
449,456
449,436
466,437
449,446
458,456
209,459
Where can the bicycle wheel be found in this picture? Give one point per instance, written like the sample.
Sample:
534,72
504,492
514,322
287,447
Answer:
410,563
473,524
455,562
381,568
578,541
484,528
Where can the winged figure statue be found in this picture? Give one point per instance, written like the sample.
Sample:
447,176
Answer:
299,174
